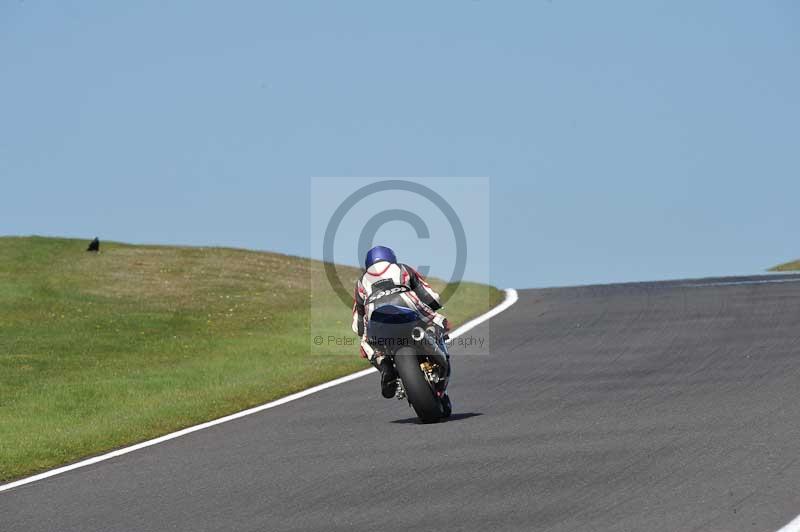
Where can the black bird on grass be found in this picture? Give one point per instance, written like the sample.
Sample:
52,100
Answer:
94,245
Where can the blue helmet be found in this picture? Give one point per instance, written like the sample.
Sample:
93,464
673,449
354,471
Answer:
379,253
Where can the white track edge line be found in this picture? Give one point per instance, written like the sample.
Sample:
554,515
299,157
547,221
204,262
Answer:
510,299
792,526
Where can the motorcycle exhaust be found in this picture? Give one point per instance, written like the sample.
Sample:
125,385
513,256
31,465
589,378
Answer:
418,333
427,341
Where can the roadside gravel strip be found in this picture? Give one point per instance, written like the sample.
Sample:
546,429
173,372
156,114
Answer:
644,406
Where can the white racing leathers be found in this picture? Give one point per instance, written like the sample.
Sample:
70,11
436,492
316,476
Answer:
377,282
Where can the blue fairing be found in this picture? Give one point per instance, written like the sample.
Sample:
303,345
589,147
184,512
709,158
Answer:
392,321
394,314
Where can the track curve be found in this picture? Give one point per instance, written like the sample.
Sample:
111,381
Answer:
648,406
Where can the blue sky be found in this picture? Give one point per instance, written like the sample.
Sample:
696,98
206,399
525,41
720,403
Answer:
623,140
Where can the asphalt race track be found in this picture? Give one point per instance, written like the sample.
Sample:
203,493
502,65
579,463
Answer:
650,406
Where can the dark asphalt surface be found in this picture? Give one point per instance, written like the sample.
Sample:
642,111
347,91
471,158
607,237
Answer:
649,406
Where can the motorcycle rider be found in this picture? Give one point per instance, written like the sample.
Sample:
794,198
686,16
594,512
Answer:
382,271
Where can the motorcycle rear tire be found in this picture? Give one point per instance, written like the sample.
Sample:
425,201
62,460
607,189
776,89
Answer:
422,398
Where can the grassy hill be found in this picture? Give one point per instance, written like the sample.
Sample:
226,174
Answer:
103,350
787,267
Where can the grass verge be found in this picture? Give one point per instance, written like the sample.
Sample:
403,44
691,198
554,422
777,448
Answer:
98,351
787,267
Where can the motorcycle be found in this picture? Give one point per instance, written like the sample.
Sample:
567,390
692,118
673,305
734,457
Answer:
419,354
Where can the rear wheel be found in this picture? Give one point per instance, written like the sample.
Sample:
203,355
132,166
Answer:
422,398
